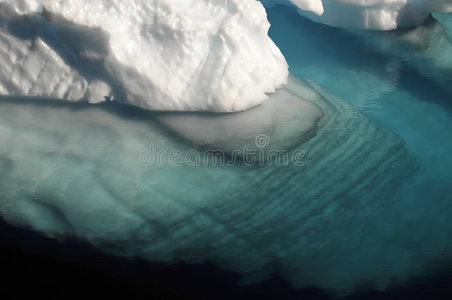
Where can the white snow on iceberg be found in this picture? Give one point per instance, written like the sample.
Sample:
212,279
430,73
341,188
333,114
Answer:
160,55
368,14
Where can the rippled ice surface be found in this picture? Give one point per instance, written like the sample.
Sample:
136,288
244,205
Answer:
362,207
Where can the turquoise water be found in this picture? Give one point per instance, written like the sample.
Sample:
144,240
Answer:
384,86
412,98
370,199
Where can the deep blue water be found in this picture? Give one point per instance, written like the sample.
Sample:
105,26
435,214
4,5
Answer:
403,88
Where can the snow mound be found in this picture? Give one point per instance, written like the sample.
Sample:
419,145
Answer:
193,55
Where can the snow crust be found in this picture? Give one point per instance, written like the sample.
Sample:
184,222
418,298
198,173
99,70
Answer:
196,55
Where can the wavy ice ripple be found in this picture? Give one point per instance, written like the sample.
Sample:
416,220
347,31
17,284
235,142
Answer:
75,170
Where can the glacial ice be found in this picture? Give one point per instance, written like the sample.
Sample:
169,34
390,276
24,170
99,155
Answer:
78,170
365,14
221,58
251,219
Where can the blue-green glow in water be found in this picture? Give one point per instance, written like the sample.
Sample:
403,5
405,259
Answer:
402,91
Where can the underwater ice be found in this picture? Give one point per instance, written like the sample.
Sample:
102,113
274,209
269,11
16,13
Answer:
92,171
339,214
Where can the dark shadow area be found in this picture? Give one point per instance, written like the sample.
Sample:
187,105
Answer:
133,113
123,111
35,265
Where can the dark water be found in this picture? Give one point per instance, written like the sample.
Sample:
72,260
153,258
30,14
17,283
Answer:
34,265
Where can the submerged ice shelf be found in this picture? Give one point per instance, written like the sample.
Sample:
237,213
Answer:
342,210
284,121
240,217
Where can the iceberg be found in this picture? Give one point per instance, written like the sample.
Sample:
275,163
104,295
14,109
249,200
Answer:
110,114
249,218
161,55
367,14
